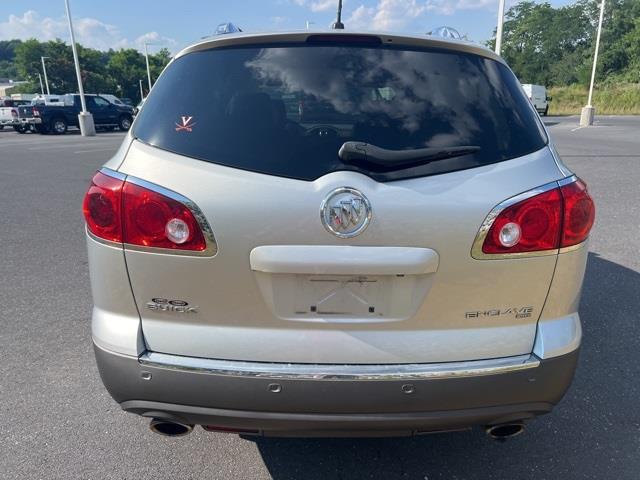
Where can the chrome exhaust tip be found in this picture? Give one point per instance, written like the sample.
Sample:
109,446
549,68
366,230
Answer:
504,431
169,428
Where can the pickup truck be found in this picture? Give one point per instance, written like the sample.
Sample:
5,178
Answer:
8,117
56,119
9,114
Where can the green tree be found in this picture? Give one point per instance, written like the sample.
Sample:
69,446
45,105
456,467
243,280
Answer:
554,46
128,67
60,69
158,61
7,56
546,45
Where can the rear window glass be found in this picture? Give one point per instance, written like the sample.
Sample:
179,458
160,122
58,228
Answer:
287,110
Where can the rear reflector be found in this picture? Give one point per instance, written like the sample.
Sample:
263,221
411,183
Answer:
561,216
124,212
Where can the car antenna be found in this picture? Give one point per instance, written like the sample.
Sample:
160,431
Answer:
338,25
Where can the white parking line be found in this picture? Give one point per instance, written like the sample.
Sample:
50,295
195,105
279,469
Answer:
112,149
70,145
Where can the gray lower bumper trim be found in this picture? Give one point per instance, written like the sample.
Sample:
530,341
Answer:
419,371
182,393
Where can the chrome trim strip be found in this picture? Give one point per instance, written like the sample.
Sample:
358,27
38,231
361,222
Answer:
113,173
292,371
567,180
212,245
476,249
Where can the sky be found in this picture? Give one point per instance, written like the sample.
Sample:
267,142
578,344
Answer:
175,24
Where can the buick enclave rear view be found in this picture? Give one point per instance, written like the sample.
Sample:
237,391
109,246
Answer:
337,234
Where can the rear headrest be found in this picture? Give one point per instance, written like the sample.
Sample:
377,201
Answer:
254,108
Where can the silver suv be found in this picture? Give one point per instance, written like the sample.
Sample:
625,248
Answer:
337,234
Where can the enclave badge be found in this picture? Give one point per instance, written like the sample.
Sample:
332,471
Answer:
345,212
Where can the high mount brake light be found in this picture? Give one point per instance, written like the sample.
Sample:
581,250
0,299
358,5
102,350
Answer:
135,213
559,216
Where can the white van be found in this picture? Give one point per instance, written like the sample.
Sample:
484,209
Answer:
538,96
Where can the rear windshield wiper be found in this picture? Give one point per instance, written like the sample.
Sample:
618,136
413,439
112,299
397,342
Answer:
365,153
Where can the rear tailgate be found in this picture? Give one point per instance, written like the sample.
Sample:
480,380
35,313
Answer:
256,132
451,307
25,111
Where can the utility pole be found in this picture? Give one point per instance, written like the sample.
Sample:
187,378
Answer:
146,57
588,111
499,28
41,86
44,70
85,119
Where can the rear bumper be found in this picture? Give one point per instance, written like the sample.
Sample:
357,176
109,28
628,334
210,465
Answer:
31,121
306,402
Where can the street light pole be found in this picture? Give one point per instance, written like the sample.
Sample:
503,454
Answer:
44,70
85,119
141,91
499,28
588,112
146,56
41,86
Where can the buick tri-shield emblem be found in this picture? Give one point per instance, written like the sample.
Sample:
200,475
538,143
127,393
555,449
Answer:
345,212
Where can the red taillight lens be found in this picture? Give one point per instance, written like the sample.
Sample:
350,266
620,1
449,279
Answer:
102,207
579,213
560,217
36,112
124,212
154,220
538,219
14,113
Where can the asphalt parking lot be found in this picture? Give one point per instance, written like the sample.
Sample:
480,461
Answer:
58,422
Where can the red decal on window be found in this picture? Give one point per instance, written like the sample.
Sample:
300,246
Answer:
186,125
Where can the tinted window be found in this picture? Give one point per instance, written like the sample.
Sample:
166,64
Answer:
100,102
286,110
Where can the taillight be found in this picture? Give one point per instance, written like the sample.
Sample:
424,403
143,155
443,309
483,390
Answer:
527,226
14,113
557,217
579,213
102,207
134,212
36,112
155,220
